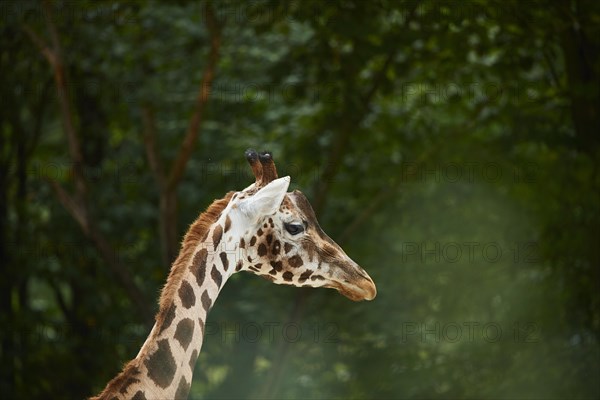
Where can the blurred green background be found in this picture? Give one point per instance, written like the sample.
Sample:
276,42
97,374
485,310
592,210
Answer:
451,148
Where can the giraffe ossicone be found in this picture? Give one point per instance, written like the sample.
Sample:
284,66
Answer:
263,229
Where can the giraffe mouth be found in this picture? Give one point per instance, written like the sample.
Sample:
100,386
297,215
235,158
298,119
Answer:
359,290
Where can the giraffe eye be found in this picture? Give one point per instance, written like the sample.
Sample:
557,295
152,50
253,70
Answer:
294,229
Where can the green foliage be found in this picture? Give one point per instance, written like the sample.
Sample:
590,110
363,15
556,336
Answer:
448,146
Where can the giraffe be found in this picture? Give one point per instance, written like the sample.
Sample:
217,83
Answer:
262,229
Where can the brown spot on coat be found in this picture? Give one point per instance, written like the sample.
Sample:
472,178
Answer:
198,267
184,332
193,359
253,241
227,223
186,294
277,265
305,275
139,395
165,318
259,232
287,276
224,260
216,276
206,301
287,247
238,266
161,365
276,247
216,237
295,261
182,389
262,250
242,243
269,239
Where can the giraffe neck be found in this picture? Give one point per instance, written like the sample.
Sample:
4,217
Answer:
164,365
168,356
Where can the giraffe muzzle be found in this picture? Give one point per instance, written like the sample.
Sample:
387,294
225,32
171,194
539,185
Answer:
358,289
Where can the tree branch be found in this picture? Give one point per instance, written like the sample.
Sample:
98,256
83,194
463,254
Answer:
196,120
39,117
43,48
80,214
76,205
168,183
65,106
73,207
149,133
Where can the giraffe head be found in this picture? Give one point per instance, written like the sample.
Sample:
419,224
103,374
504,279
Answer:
281,239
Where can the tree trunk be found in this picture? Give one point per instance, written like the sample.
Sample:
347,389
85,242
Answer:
168,226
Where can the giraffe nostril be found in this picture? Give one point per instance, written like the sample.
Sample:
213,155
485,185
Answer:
364,275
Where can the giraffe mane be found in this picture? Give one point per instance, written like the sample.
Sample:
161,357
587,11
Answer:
196,234
120,382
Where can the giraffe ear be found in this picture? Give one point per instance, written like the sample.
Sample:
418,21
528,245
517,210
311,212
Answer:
267,200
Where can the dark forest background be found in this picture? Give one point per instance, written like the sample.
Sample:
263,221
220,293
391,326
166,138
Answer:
451,148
